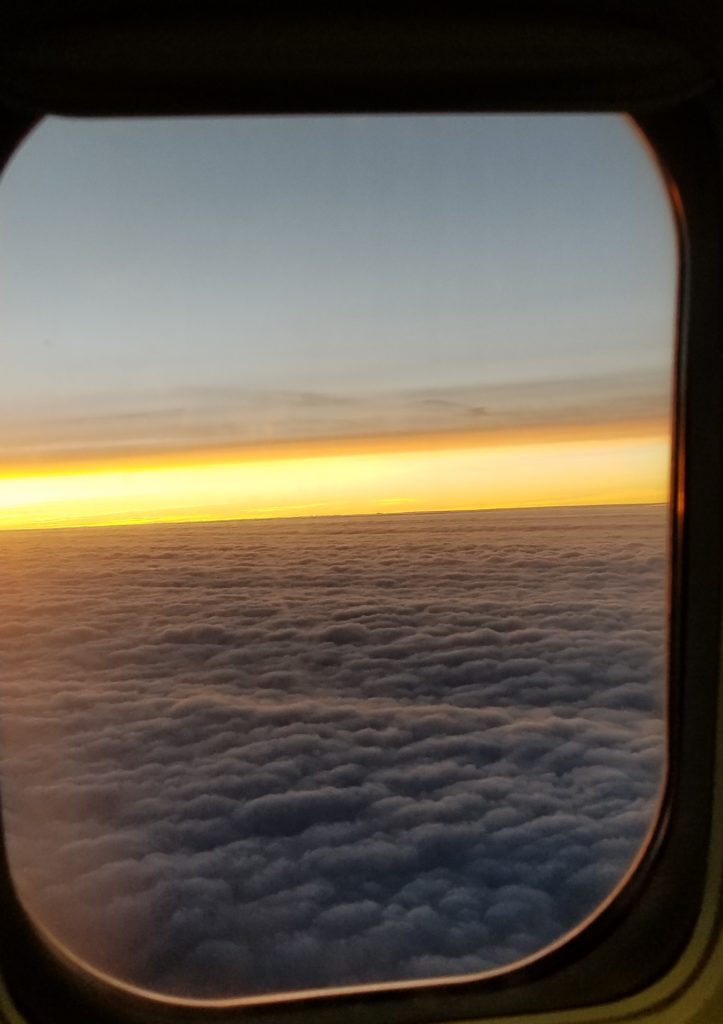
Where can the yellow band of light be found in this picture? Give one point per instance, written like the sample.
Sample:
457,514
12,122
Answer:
582,472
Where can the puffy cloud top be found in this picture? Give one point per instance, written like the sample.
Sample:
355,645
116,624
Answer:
253,757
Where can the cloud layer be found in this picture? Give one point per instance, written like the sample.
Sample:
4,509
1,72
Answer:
253,757
197,418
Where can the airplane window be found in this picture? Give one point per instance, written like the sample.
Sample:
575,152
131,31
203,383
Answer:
333,496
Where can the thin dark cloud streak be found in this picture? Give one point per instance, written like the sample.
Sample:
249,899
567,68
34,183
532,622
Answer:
196,418
242,758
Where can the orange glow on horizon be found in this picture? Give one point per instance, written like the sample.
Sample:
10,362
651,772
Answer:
64,461
448,474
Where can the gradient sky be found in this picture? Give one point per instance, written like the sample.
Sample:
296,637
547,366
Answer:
191,295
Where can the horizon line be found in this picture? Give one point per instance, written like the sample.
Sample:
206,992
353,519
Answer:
207,521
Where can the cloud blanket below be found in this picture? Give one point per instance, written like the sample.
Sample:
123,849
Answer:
242,758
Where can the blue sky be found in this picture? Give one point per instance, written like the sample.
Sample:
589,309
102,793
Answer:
262,277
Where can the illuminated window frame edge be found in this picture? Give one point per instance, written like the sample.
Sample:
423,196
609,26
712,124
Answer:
541,986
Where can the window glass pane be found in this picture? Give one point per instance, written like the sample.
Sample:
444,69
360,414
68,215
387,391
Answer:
334,462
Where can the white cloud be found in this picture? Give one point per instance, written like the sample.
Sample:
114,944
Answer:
251,757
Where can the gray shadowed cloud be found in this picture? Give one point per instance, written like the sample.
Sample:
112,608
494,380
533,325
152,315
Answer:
254,757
